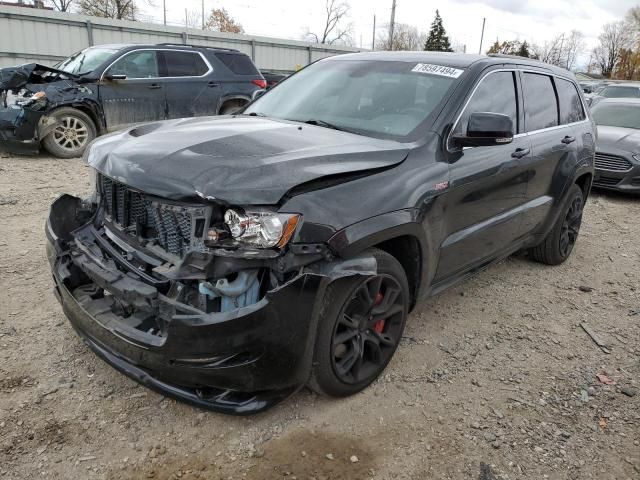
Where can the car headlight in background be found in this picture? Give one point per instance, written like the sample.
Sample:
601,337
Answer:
261,229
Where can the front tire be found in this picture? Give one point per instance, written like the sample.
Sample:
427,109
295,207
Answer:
361,325
73,132
559,243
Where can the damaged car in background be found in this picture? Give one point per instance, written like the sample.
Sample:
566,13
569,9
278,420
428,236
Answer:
229,261
105,88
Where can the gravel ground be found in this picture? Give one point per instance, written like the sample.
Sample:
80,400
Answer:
495,371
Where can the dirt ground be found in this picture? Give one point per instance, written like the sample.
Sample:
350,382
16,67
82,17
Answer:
497,370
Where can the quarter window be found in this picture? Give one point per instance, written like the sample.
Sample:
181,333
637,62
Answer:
570,104
140,64
184,64
495,94
541,105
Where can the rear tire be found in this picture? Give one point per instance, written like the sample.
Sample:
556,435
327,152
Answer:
69,139
559,243
232,107
361,324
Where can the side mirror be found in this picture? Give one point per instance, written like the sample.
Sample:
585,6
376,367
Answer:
257,94
486,129
113,77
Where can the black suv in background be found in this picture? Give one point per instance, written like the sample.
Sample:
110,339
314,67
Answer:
108,87
229,261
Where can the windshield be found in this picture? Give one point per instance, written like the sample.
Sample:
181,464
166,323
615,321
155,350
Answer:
375,98
626,116
86,60
621,92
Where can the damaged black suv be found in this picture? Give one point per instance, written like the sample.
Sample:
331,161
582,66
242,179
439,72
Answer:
108,87
229,261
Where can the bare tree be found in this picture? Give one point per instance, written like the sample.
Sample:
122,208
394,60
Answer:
405,37
562,50
220,21
573,46
613,39
193,19
119,9
62,5
334,32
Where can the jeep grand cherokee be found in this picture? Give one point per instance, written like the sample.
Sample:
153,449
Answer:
228,261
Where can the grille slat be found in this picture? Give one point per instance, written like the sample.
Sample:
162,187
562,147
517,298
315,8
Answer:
612,163
169,225
607,181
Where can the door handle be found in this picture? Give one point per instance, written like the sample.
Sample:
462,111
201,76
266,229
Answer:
154,86
213,84
567,140
521,152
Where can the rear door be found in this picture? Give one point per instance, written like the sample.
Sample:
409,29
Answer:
191,87
550,111
139,97
487,184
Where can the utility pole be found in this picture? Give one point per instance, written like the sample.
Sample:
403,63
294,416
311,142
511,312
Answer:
392,24
373,39
482,36
164,9
202,14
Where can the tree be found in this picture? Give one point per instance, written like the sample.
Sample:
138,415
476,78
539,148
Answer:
220,21
628,66
119,9
437,40
405,37
334,31
62,5
614,38
193,19
562,50
511,47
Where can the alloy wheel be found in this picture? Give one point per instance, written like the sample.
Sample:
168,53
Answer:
571,227
368,330
71,133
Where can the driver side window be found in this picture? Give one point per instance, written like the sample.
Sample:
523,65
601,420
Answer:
141,64
495,94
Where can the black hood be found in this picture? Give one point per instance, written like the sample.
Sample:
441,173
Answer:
626,139
15,78
237,160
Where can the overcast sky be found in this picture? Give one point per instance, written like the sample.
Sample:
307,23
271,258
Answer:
533,21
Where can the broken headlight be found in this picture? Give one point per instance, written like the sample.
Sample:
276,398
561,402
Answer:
261,229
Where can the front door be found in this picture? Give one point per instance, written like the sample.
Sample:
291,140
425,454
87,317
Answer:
487,184
132,91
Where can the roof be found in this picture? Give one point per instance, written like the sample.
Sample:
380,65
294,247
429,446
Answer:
457,60
120,46
628,84
625,101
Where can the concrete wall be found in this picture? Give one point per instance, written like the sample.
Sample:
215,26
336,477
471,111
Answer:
28,35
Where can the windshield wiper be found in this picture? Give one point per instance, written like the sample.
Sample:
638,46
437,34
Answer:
322,123
256,114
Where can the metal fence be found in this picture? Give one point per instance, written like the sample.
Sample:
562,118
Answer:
29,35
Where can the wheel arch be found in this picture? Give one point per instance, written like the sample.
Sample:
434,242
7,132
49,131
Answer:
93,111
232,98
396,233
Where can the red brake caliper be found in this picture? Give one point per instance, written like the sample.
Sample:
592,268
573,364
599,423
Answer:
379,325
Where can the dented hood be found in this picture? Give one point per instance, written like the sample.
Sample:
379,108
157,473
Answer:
239,160
15,78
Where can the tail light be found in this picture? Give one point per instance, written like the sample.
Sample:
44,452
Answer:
260,82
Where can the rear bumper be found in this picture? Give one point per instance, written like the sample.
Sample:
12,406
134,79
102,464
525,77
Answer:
239,362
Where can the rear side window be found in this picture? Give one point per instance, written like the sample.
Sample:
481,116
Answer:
184,64
570,104
495,94
540,104
238,63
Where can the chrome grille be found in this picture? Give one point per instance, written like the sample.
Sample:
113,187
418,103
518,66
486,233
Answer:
171,226
613,163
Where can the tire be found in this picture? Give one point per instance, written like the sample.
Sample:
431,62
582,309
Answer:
559,243
69,139
343,298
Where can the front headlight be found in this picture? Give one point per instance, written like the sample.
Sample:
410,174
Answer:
261,229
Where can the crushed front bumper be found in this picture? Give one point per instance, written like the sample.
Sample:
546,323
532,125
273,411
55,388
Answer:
238,362
18,130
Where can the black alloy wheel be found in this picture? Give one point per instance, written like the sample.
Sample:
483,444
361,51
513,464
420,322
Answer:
571,226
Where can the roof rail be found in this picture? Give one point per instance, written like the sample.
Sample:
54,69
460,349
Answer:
173,44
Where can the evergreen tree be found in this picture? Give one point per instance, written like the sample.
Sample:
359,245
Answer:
437,41
523,51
